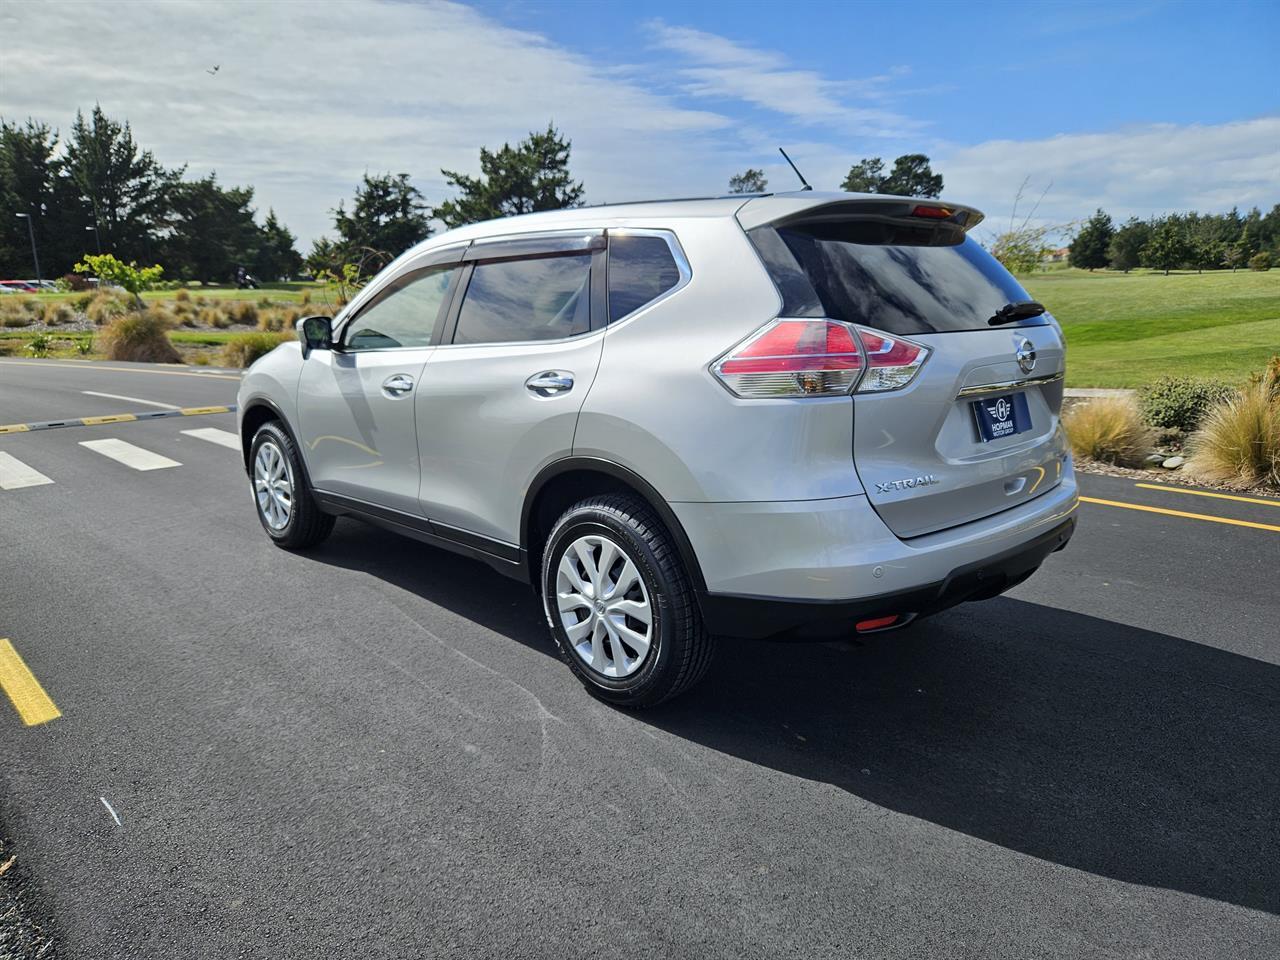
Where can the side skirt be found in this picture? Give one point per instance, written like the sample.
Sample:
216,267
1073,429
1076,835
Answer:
506,558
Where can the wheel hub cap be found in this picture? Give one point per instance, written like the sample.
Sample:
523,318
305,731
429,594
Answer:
604,606
273,485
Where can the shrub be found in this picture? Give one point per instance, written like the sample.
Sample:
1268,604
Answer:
279,320
14,314
182,295
56,313
245,312
1108,429
82,300
213,317
242,351
39,346
1179,403
84,346
106,306
1260,261
305,299
140,335
74,281
1239,442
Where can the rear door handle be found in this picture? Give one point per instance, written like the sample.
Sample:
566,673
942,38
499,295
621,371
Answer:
398,385
550,382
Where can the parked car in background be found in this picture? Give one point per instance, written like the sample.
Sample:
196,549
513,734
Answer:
20,286
799,416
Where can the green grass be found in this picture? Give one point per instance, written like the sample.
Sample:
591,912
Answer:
1124,330
278,292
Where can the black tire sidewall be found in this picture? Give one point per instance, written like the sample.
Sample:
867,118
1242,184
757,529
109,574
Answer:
274,433
584,521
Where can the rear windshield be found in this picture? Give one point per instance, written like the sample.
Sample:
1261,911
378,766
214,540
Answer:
840,271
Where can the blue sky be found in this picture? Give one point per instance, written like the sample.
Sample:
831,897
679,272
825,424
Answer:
1138,108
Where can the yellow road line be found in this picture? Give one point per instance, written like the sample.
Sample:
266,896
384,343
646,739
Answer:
110,418
29,698
14,428
1165,488
1180,513
169,373
196,411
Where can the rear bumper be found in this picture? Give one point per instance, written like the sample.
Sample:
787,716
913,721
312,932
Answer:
759,617
817,567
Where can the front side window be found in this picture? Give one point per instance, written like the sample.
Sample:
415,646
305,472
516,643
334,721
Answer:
641,269
543,298
403,314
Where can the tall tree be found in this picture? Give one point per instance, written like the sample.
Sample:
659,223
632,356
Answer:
127,191
865,176
912,176
32,182
277,257
1168,246
211,230
750,180
388,216
530,177
1090,248
1125,249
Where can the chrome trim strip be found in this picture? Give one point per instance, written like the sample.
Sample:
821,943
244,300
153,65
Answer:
1004,385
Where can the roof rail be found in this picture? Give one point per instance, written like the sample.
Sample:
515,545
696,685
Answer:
719,196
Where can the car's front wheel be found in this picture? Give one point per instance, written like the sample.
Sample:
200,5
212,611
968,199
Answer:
286,508
620,604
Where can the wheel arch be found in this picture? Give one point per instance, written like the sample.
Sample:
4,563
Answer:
256,412
561,484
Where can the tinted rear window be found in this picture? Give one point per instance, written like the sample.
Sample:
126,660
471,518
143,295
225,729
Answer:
641,269
902,288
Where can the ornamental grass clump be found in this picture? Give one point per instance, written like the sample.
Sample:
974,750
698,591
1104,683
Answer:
140,335
1238,443
243,350
1110,430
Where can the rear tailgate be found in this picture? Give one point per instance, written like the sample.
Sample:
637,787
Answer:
976,431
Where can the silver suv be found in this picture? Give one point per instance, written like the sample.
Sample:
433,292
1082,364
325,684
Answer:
803,415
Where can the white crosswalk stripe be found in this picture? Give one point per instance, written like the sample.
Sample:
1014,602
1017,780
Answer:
224,437
129,455
14,474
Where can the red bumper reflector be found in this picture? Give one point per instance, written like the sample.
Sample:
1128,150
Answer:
876,623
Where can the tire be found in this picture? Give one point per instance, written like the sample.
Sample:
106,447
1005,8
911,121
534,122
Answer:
304,524
679,649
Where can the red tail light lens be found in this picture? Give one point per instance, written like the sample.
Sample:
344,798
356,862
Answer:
892,362
793,358
933,213
818,358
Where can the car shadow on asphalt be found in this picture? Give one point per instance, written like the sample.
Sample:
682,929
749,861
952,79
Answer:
1088,743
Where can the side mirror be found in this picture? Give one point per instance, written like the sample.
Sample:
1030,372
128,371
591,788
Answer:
316,333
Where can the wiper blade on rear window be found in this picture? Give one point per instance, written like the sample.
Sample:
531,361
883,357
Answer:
1012,312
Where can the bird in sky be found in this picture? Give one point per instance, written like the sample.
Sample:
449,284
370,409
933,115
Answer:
216,68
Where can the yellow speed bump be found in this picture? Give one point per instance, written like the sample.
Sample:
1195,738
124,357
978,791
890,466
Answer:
110,418
14,428
1230,521
24,690
197,411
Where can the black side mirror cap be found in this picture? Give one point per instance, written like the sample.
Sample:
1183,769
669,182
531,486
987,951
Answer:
316,333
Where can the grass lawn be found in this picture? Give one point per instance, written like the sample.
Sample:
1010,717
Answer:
1124,330
277,292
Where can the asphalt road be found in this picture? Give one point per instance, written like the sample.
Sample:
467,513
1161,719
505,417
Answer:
372,750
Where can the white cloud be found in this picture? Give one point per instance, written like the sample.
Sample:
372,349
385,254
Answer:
717,67
1131,172
308,97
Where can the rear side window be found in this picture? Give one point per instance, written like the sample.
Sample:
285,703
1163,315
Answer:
404,313
507,301
899,287
641,269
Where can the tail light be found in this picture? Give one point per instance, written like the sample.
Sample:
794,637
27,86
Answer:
817,358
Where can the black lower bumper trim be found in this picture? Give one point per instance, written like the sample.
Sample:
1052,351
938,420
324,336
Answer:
754,617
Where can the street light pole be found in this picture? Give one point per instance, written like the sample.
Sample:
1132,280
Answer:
34,256
96,239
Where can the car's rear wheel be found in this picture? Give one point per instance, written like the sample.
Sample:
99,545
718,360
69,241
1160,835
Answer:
286,508
620,604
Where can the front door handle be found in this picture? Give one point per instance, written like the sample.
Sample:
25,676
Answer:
398,385
550,383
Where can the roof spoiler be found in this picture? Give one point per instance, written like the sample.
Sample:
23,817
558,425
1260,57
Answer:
815,210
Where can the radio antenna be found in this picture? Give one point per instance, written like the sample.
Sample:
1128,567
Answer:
796,169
